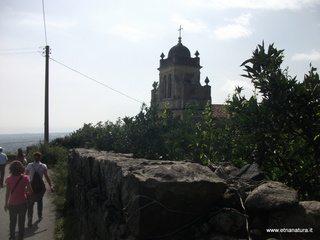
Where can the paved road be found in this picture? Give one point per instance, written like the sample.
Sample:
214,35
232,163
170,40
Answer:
41,230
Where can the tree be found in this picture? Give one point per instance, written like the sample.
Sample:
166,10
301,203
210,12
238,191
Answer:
280,132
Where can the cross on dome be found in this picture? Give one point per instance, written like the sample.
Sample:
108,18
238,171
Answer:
180,33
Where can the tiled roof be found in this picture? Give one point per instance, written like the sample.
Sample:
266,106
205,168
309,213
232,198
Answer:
219,111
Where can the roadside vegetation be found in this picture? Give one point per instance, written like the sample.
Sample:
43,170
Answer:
278,127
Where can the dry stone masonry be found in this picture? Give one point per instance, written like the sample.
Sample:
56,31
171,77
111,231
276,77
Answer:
119,197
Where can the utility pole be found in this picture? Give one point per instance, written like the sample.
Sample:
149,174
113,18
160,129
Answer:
46,101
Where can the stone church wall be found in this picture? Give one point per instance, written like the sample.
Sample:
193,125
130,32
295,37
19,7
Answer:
118,197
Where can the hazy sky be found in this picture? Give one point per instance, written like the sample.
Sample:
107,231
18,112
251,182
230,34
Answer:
118,44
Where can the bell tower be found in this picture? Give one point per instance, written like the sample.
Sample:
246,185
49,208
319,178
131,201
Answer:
179,80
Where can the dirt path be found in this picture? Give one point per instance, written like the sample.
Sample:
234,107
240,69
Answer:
41,230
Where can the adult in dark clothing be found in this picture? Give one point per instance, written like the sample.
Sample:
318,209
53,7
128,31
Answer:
21,157
3,163
42,169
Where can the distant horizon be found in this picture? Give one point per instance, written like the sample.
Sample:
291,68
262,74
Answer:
35,133
36,130
39,129
11,142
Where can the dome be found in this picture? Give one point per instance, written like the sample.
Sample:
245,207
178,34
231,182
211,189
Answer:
179,50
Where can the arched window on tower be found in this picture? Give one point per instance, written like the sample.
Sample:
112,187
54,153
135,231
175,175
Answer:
164,87
169,86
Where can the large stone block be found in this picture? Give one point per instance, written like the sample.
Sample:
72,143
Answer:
166,196
138,197
304,217
249,171
270,196
230,222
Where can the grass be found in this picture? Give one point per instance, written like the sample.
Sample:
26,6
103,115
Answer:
66,225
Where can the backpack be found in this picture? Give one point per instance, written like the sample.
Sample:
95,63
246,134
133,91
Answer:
37,182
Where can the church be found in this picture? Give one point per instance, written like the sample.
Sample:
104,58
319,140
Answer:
179,83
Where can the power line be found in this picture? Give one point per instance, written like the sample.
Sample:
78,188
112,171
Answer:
92,79
44,23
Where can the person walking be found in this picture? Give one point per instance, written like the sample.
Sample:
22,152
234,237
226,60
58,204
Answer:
37,170
3,162
16,198
21,157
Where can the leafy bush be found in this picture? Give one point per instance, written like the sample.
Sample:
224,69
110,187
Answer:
51,154
280,131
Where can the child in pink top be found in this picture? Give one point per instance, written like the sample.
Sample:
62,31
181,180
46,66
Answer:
16,197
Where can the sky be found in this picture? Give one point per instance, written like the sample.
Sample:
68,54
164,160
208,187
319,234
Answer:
105,54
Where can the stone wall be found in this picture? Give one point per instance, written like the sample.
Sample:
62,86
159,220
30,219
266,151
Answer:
118,197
